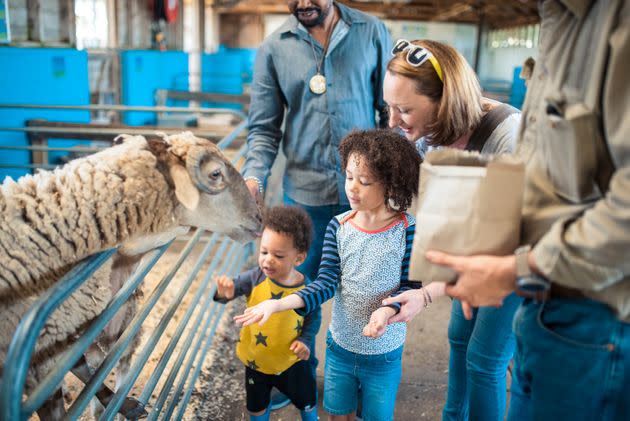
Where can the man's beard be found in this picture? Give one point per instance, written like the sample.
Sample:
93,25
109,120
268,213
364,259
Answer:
316,19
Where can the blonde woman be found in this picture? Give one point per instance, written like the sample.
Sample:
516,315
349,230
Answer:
435,99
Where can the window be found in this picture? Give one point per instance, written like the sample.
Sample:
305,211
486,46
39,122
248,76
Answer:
522,37
91,21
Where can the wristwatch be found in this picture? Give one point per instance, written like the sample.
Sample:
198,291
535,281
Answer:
529,284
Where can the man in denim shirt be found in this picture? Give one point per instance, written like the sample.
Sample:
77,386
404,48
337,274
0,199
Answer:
324,68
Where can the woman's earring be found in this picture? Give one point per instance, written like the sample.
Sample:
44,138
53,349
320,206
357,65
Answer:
392,204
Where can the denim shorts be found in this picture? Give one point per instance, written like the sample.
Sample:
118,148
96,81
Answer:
377,375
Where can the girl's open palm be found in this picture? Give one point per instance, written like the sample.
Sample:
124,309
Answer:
378,323
259,313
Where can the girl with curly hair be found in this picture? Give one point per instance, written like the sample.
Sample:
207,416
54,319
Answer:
365,259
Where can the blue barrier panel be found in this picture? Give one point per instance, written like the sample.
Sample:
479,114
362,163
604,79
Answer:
40,76
248,56
144,71
221,73
517,94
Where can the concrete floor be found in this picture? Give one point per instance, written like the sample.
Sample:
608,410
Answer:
422,390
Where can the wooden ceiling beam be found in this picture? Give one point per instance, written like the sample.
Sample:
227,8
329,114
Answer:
497,13
528,7
379,8
454,11
254,8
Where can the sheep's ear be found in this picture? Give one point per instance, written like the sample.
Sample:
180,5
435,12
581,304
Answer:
185,190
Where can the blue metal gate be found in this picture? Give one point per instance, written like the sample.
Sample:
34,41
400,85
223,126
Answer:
226,257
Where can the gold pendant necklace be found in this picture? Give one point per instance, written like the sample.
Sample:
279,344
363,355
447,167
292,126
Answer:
317,83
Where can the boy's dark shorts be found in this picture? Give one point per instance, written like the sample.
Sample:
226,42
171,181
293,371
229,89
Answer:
297,383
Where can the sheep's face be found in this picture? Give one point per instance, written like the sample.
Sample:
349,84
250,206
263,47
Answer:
211,191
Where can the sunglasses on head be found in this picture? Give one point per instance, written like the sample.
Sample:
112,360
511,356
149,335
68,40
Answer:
416,55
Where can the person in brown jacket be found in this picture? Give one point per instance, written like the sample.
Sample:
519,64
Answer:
573,330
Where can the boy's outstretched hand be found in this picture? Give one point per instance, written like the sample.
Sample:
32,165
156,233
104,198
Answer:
300,349
259,313
225,286
378,322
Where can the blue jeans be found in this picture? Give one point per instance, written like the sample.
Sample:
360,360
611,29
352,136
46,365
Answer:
321,216
572,362
481,349
377,375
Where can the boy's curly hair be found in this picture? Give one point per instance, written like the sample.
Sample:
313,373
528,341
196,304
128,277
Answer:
392,159
291,221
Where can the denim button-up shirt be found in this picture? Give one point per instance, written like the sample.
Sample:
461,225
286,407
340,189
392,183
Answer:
354,68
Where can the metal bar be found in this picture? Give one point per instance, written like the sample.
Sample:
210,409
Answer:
122,392
128,108
23,342
71,355
223,144
202,96
193,354
202,356
239,154
227,140
211,315
30,167
81,149
79,405
159,369
183,376
174,372
100,131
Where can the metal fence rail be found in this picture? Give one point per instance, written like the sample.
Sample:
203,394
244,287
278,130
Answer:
95,137
125,108
176,390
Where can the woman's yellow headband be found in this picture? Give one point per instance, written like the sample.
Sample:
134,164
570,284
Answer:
417,55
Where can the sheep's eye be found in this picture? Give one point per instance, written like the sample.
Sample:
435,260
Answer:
215,174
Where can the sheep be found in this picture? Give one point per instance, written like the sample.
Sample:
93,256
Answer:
137,195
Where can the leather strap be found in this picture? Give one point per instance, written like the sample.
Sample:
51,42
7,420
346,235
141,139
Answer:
489,122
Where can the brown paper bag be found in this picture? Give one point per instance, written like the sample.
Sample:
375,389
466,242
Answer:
468,204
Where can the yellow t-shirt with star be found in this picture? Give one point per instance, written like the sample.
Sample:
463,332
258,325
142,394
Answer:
266,348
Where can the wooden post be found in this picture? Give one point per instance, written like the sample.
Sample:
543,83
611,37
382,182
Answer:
34,20
179,27
113,35
130,11
112,24
201,16
480,29
67,22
